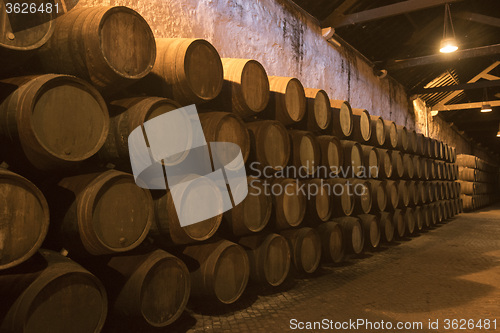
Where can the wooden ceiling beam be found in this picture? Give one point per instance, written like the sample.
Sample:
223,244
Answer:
443,58
464,106
337,20
464,86
479,18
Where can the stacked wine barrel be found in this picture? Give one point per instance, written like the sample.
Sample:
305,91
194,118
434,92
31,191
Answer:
112,247
478,181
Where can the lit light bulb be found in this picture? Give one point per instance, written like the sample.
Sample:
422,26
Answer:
448,45
486,108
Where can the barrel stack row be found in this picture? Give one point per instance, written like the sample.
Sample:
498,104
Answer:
478,180
66,185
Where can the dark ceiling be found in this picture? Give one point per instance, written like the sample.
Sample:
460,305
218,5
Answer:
417,34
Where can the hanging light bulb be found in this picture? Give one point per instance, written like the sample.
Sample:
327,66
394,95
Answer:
448,43
486,107
498,133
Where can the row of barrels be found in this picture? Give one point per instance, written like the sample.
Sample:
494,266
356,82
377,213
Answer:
152,288
479,182
474,188
326,156
477,201
476,175
474,162
104,213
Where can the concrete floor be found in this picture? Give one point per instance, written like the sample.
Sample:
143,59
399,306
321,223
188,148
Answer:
449,272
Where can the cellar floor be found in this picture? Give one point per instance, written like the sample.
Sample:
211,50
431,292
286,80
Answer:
449,272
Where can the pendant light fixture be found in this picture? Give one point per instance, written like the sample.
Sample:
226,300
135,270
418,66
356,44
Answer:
448,43
486,106
498,133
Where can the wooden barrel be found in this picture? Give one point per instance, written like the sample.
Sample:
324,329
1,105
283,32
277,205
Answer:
219,270
253,213
362,127
392,192
403,142
371,230
417,166
130,113
378,131
371,161
379,195
108,46
187,70
319,203
439,211
434,151
467,174
408,167
459,204
306,152
432,169
167,228
386,226
444,209
305,246
435,191
270,144
468,188
319,113
439,170
432,214
391,134
468,202
404,193
151,288
467,161
362,194
342,119
288,100
451,208
353,158
412,142
342,201
398,168
332,156
352,234
289,203
425,168
421,146
245,90
102,213
20,36
409,219
332,244
226,127
56,120
269,258
51,293
398,222
419,218
24,219
385,161
422,192
413,193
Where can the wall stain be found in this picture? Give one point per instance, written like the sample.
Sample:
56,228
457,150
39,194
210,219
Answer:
294,33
